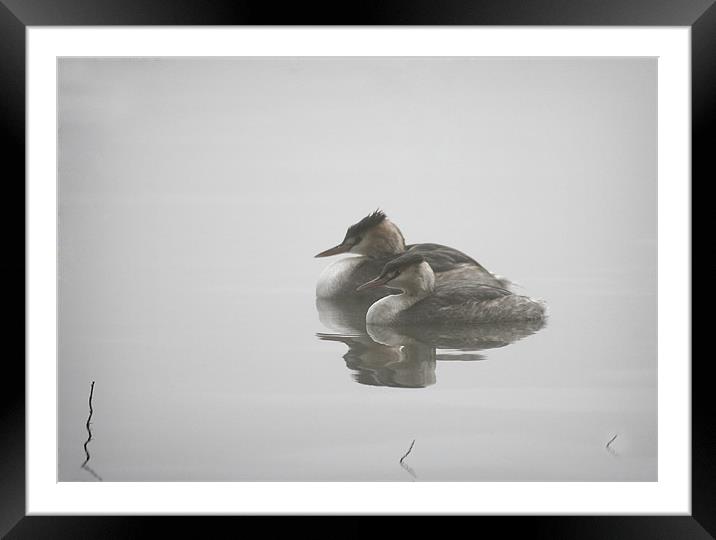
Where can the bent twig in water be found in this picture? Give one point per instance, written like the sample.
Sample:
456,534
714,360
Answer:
408,452
89,437
405,466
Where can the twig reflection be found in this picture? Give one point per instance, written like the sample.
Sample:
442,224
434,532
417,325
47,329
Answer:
609,446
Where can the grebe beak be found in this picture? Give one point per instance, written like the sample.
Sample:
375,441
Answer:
340,248
377,282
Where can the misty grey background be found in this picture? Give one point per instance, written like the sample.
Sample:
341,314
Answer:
194,192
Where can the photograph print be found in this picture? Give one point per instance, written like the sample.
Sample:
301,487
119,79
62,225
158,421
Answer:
362,269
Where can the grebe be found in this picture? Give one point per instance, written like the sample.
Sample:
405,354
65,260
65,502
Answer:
449,302
377,240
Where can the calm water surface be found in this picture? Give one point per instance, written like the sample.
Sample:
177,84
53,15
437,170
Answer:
230,385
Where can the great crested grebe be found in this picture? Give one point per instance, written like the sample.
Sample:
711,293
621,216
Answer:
377,240
449,302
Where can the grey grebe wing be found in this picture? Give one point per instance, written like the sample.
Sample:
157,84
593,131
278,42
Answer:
442,258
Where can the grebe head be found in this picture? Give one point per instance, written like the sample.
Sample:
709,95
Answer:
410,273
373,236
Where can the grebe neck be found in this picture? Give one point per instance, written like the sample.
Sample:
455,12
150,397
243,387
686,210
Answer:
416,283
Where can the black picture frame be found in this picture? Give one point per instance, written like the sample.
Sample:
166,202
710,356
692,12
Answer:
16,15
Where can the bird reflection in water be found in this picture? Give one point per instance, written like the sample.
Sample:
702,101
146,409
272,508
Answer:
411,365
406,357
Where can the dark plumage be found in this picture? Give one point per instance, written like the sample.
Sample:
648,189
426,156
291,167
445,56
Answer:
368,222
486,309
424,300
442,258
402,261
377,240
467,302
